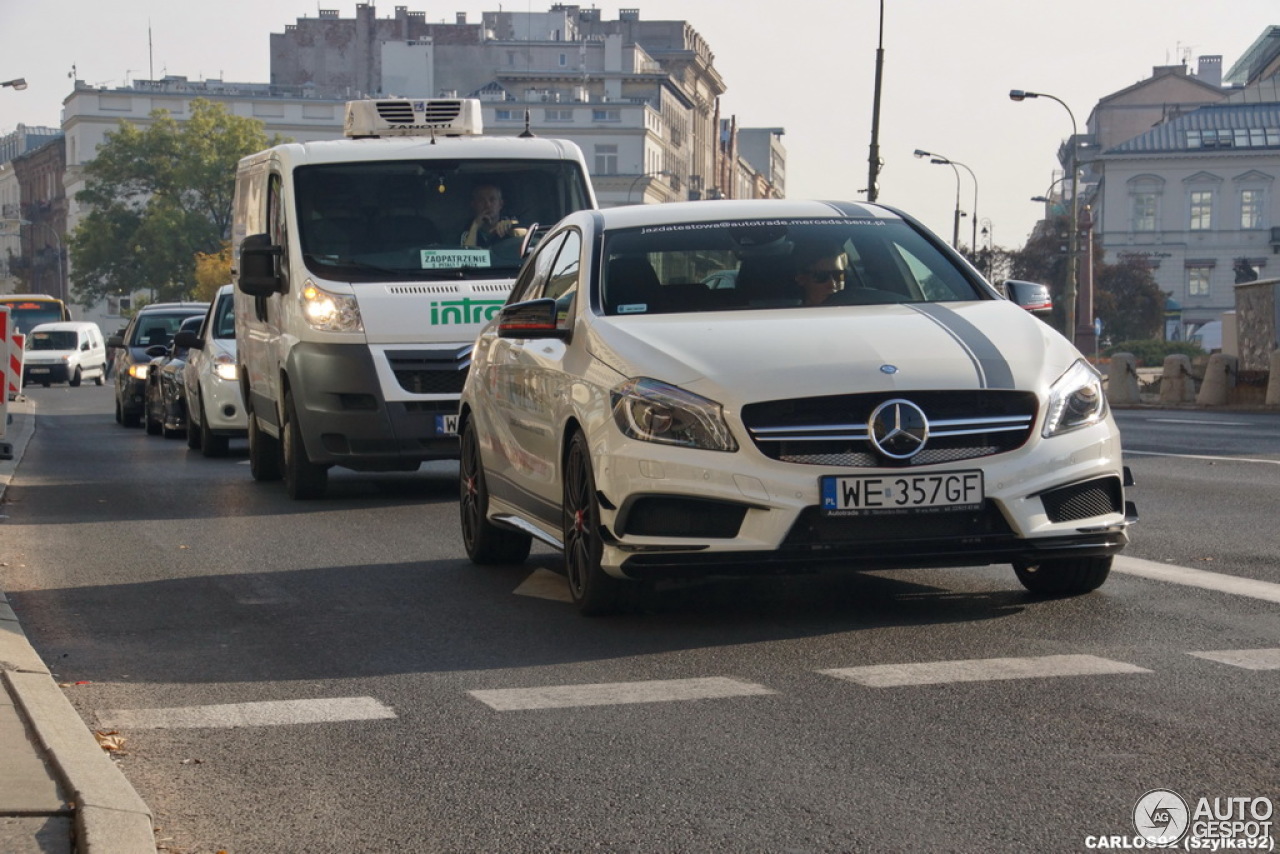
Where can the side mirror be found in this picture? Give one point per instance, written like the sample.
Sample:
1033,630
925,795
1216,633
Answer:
115,341
187,339
1032,296
533,319
259,266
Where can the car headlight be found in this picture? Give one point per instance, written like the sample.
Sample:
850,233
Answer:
224,368
1075,400
328,312
139,371
653,411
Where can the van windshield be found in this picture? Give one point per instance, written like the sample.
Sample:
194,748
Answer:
416,219
60,340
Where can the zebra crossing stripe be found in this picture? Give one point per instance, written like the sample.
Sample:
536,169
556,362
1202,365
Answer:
1266,590
545,584
616,693
231,715
1249,659
980,670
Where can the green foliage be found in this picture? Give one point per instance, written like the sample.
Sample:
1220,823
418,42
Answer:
155,197
1151,352
1128,300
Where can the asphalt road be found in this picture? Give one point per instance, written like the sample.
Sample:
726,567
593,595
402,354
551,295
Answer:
334,676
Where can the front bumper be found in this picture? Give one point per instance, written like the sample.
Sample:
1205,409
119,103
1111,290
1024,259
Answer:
52,372
673,511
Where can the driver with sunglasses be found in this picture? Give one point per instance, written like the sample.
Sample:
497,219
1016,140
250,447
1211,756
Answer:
820,272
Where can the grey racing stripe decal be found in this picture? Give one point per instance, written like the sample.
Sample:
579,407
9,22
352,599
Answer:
992,367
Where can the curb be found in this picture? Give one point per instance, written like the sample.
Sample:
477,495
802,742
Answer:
110,817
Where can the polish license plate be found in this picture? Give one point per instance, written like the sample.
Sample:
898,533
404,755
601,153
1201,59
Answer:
905,493
447,425
37,370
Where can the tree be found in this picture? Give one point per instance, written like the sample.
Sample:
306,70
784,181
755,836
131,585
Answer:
1044,259
212,272
1128,300
155,198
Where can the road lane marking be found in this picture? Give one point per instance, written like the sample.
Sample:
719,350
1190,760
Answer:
1129,453
617,693
545,584
231,715
1207,421
1249,659
1234,584
980,670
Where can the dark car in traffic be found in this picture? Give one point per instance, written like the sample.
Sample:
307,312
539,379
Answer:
153,326
166,403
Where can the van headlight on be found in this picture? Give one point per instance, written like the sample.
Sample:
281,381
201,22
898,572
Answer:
1075,400
653,411
140,370
329,312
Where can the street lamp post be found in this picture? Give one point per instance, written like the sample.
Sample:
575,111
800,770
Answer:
641,177
1073,238
17,83
939,159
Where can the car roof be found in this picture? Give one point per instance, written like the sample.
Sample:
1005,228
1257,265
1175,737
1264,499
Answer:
173,306
62,326
636,216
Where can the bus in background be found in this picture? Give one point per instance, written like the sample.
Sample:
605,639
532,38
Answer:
26,311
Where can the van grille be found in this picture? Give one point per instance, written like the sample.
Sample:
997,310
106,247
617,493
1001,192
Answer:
431,371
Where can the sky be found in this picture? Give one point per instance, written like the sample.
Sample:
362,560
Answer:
807,66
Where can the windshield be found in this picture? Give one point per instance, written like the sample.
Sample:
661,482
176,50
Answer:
429,219
156,328
25,315
224,318
747,264
61,340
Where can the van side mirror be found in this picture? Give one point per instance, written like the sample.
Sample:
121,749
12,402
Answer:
188,340
115,341
259,266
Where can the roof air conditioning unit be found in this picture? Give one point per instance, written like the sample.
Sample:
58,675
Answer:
414,117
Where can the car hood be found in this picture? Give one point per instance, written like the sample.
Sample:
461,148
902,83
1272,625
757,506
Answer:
762,355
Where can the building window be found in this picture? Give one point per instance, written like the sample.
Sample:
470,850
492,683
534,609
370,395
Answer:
1144,212
505,116
564,60
606,115
1198,281
1251,209
1201,210
606,160
557,115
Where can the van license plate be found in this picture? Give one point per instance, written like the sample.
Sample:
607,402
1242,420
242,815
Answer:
37,370
908,493
447,425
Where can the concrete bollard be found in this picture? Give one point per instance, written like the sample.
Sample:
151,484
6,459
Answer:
1273,379
1177,385
1122,379
1219,379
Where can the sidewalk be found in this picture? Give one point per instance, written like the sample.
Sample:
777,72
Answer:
59,791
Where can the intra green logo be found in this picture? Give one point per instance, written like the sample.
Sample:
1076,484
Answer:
464,311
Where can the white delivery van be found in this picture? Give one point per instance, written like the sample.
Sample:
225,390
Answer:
362,284
65,352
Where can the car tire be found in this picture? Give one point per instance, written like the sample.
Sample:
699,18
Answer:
211,445
101,378
303,479
119,416
485,542
155,426
194,438
594,591
264,453
1064,577
74,382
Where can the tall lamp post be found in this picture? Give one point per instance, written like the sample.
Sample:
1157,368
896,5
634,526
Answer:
1073,238
939,159
17,83
641,177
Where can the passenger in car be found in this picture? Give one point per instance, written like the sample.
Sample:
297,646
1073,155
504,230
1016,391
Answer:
820,270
